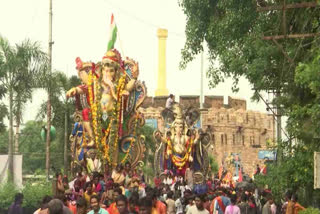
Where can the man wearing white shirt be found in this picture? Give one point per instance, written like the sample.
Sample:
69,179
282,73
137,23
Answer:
169,101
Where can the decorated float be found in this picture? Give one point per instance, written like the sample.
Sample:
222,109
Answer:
106,114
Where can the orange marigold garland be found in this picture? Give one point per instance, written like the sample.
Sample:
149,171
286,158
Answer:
180,162
115,123
93,91
106,146
118,109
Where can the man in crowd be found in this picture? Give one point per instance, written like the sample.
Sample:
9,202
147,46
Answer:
145,206
44,204
95,205
287,207
113,207
122,204
268,208
89,192
171,209
198,208
16,207
81,205
157,206
188,176
55,206
59,187
243,205
220,203
170,101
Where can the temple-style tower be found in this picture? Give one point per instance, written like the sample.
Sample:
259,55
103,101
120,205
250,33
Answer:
162,77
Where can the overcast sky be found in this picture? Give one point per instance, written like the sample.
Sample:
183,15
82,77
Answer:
81,28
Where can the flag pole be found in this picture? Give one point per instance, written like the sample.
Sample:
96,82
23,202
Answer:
120,43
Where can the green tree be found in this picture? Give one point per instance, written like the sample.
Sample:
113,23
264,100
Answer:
233,31
3,114
297,166
33,194
20,65
7,193
62,111
4,142
32,147
214,167
296,169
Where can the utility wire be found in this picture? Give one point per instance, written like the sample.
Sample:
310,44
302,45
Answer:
149,24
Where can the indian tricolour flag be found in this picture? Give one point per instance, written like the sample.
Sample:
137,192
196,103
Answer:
113,33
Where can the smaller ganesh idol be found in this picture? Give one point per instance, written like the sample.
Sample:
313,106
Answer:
182,145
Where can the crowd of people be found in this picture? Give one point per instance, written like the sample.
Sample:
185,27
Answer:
124,191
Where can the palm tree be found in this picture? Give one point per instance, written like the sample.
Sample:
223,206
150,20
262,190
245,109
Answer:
19,67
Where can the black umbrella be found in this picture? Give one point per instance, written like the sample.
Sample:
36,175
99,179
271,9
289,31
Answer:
245,186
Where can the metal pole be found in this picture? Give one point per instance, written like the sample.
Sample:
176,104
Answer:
274,113
10,149
49,94
201,82
65,152
279,137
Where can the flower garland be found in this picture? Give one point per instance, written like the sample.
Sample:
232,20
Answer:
180,162
94,97
120,103
106,146
94,110
92,81
97,115
115,122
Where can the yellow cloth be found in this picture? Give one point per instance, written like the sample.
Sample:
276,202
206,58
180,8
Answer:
87,197
290,207
117,177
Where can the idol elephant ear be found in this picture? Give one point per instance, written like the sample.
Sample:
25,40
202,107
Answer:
79,63
168,116
192,115
93,67
205,139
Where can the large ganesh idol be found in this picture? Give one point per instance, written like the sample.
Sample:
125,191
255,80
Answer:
106,113
181,144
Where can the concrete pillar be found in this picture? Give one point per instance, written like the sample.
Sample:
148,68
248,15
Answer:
162,77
